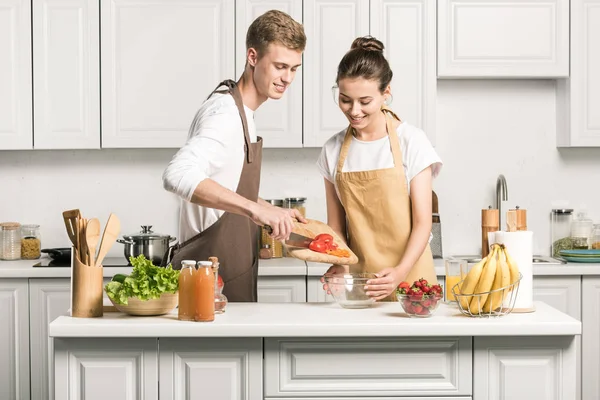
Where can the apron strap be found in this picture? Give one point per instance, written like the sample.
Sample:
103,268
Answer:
233,89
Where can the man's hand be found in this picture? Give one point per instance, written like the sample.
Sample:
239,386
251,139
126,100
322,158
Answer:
281,220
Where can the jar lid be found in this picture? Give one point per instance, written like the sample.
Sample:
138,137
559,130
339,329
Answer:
275,202
295,199
145,233
10,226
30,226
204,264
562,211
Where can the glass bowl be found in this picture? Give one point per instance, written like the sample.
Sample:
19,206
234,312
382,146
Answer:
421,306
348,289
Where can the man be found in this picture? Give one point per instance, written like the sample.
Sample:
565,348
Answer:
217,171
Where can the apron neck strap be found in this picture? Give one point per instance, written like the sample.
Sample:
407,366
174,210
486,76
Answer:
394,143
233,89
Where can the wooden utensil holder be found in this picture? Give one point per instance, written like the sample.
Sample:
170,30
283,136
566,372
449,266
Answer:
86,289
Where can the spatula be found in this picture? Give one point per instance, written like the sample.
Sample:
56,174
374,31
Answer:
71,224
92,236
110,235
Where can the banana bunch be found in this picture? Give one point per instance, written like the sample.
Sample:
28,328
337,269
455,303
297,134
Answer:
496,271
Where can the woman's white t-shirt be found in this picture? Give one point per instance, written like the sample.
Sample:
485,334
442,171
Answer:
417,154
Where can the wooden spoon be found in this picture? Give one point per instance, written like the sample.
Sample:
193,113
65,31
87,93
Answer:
110,235
92,237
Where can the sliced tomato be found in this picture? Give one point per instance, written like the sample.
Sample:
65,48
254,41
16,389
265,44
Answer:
324,237
318,246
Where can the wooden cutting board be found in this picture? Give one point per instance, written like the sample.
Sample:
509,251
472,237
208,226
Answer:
312,229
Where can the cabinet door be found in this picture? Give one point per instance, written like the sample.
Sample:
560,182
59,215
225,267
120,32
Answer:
48,299
578,98
561,292
100,369
224,369
503,38
279,122
66,73
331,26
315,292
14,339
281,289
15,75
160,60
407,29
590,365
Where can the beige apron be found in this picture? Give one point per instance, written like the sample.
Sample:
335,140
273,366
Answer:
378,212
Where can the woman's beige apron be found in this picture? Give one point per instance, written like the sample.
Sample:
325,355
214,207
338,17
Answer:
378,212
233,238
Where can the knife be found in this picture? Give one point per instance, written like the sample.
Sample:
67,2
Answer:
295,240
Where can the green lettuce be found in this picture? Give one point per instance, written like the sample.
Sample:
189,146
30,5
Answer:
146,282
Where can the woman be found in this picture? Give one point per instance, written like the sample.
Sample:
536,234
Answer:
378,175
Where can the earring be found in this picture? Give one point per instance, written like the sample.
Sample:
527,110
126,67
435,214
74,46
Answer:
389,100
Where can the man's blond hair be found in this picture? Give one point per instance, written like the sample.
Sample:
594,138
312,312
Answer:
275,27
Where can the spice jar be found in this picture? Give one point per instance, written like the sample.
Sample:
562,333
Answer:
220,299
205,292
581,231
275,246
187,291
596,237
561,230
11,241
31,243
297,203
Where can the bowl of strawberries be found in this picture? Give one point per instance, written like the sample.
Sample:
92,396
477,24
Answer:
420,299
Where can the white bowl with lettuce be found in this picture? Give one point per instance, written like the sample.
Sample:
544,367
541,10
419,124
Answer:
149,290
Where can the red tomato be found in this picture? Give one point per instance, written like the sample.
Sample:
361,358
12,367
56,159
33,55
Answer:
333,246
318,246
324,237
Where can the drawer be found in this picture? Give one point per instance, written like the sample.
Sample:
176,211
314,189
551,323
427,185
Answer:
334,367
374,398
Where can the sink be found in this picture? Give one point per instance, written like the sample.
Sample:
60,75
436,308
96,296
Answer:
538,260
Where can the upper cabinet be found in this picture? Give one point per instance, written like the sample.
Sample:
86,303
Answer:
66,74
578,98
407,29
160,60
503,38
15,75
331,26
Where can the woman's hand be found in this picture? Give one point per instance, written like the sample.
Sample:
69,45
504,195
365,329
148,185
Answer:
333,270
384,285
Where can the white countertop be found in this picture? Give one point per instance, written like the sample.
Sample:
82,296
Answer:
318,320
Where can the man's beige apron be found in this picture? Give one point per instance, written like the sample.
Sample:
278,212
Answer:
233,238
378,212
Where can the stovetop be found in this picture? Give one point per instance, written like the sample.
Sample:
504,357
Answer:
108,262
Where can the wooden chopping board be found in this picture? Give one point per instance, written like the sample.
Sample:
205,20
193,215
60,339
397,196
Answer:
312,229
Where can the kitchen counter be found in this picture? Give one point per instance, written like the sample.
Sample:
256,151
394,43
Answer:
320,319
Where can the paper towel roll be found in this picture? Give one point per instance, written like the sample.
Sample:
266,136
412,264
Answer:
520,247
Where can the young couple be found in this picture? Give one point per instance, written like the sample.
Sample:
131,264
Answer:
378,171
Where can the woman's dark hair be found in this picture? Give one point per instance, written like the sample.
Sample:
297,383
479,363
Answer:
365,60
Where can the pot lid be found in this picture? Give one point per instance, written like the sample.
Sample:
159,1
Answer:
145,233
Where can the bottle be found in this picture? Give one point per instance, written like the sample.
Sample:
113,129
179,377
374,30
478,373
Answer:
220,299
187,291
205,292
581,231
31,244
11,241
596,237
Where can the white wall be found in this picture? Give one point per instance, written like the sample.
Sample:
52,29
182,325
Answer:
484,128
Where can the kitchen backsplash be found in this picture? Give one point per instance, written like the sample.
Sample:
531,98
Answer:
484,128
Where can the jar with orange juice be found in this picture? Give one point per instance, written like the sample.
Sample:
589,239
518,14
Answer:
205,292
187,291
456,271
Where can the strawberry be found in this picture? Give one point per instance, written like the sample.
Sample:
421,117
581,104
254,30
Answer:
427,302
416,296
404,285
424,311
423,281
418,284
417,308
426,289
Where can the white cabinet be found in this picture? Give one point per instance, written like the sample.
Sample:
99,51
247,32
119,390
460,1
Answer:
281,289
14,339
590,364
160,60
204,368
524,368
503,38
560,292
315,292
66,73
279,122
331,26
48,299
15,75
578,98
116,369
408,30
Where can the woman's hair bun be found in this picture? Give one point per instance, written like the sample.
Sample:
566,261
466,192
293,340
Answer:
367,43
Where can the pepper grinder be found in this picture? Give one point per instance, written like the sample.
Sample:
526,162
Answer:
490,222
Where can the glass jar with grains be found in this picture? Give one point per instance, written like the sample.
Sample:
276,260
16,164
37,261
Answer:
31,242
297,203
11,241
596,237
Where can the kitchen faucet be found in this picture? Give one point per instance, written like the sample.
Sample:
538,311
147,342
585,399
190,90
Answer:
501,188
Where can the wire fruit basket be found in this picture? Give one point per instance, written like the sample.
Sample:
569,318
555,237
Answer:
501,300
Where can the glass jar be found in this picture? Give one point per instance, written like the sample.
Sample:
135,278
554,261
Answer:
581,231
11,240
596,237
31,243
187,291
220,299
205,292
560,227
297,203
275,246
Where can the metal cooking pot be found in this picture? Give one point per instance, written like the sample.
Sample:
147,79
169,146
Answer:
152,245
